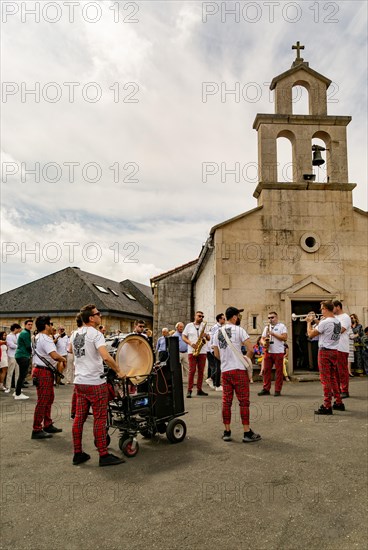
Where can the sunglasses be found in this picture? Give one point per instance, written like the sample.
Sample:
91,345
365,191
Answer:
97,313
271,317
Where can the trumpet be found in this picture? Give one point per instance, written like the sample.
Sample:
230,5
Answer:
303,318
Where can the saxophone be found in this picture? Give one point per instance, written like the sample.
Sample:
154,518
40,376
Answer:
200,342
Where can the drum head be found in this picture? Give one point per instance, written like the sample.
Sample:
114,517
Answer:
134,356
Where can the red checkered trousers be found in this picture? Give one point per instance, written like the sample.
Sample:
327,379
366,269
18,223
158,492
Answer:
235,381
45,398
343,371
195,362
327,366
97,397
269,360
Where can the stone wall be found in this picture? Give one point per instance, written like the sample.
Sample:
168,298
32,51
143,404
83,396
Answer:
172,300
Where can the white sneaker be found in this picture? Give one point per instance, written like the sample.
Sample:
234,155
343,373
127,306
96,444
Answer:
209,382
21,396
219,388
7,390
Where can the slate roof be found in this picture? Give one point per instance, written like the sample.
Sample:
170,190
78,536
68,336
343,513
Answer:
65,291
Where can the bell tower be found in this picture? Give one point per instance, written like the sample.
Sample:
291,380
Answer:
301,130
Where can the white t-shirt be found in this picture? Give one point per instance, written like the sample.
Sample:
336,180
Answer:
329,330
87,360
278,345
11,343
345,321
62,345
44,345
237,335
193,332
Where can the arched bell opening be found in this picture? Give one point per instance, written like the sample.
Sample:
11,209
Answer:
285,157
321,157
300,99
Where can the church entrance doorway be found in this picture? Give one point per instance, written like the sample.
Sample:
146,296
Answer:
304,351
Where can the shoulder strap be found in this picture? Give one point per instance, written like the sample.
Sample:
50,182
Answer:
43,359
246,361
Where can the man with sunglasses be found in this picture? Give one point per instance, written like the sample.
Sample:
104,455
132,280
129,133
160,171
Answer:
88,345
191,336
277,332
328,330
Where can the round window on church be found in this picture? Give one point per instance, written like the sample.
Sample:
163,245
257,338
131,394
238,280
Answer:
310,242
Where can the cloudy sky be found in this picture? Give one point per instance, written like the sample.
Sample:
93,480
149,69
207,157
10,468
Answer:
105,126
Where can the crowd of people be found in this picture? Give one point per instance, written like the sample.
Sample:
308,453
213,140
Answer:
225,348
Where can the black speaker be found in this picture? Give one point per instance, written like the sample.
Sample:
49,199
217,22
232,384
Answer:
168,384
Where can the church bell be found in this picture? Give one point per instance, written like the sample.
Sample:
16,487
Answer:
317,157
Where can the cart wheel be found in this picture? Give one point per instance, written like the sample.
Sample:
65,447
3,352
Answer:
129,447
176,430
123,437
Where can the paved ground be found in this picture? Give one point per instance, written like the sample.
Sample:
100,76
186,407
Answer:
303,486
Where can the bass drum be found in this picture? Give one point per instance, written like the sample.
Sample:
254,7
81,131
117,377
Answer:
134,356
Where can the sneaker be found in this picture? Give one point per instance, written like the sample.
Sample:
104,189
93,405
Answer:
209,381
189,394
7,390
219,388
250,436
338,407
345,395
21,396
227,435
52,429
277,393
201,392
79,458
264,392
110,460
40,435
323,410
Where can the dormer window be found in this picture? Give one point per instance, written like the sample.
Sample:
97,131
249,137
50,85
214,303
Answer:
101,288
130,296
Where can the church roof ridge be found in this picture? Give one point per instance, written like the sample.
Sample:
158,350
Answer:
171,271
235,218
295,68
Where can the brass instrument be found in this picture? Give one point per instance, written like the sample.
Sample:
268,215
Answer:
267,339
303,318
200,342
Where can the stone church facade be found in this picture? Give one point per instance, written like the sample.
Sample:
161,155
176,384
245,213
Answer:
304,242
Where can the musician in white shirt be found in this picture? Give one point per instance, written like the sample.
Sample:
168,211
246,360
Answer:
191,335
277,332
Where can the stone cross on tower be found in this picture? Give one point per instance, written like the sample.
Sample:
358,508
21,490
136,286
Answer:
298,47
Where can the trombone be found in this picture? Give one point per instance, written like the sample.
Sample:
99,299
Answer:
303,318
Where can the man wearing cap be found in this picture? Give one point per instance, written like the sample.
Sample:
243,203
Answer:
227,344
274,355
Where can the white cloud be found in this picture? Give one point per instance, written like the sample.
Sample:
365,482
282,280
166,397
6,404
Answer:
168,134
